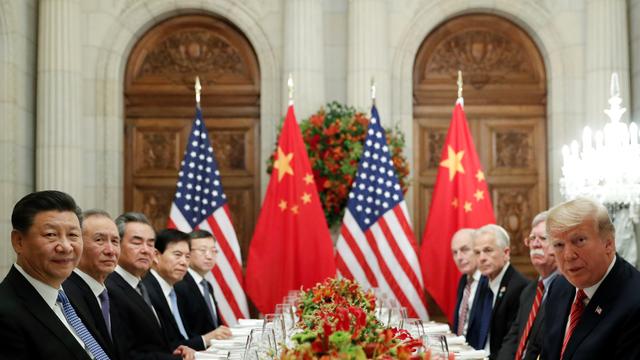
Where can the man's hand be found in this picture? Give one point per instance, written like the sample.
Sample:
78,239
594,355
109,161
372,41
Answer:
186,352
222,332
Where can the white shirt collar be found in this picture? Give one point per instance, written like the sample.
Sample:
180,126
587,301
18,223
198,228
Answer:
494,284
131,279
164,285
476,275
48,293
196,277
96,287
590,291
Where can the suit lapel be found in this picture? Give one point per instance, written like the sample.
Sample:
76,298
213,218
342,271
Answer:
195,288
35,304
595,311
133,297
502,290
160,304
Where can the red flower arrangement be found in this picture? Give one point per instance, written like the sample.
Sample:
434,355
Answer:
334,137
339,322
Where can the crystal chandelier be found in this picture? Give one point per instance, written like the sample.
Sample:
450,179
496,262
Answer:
607,166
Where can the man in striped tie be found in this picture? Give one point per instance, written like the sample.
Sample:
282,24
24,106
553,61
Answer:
37,320
465,259
593,311
524,340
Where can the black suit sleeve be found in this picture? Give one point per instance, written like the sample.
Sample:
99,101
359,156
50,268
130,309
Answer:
14,345
511,340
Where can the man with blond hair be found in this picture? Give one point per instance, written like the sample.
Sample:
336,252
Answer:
593,311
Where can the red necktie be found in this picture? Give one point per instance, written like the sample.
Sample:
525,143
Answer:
464,306
576,313
532,317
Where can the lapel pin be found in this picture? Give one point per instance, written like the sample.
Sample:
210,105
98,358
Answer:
598,310
502,291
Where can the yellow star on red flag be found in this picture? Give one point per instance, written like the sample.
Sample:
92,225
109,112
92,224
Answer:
306,198
480,175
479,195
467,206
283,164
453,162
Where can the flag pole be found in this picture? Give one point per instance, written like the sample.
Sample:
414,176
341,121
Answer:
198,89
373,91
290,86
460,99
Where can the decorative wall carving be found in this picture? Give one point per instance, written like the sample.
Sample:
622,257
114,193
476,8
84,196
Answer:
191,52
436,141
515,214
158,150
155,204
514,149
229,147
483,56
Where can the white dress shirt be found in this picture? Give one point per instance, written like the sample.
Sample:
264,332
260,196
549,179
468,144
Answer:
198,279
96,287
128,277
50,296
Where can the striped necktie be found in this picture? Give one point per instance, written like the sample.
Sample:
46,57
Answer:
79,328
574,318
464,306
532,317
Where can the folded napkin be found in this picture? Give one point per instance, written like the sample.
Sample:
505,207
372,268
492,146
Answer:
436,329
209,356
456,340
249,323
472,355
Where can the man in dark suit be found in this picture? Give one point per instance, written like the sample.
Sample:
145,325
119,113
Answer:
491,247
169,266
85,286
142,335
593,311
196,302
524,340
465,259
37,320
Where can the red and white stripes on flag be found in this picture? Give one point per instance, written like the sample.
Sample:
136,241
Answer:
377,246
201,203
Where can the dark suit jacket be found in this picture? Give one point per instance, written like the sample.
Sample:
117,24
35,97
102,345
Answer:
610,324
512,340
461,284
29,328
85,302
169,325
506,308
193,309
140,336
480,316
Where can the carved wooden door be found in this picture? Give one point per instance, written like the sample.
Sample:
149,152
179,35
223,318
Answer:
505,101
160,106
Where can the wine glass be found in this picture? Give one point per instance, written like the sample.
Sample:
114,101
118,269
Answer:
276,322
287,314
397,316
415,327
436,346
261,345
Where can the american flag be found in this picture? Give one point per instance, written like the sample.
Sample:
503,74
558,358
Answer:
376,246
201,203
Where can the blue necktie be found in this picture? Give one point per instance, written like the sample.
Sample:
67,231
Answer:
104,304
176,313
81,330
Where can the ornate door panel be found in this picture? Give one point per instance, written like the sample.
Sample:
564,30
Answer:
160,106
505,103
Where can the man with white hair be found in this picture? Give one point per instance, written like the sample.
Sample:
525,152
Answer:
593,311
524,340
465,260
500,301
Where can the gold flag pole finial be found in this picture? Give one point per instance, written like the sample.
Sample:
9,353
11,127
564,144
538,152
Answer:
373,91
460,83
198,89
290,86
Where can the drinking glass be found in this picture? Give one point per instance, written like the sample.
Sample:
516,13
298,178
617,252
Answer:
261,345
397,316
287,314
415,327
436,346
276,322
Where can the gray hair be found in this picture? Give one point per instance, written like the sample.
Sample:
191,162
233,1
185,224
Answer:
95,212
128,217
573,213
498,232
541,217
464,232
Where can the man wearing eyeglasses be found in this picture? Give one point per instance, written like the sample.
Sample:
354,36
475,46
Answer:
524,339
195,294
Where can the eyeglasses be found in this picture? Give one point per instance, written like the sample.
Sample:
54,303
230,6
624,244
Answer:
206,251
531,238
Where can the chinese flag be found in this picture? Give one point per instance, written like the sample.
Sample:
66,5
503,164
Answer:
291,246
460,200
